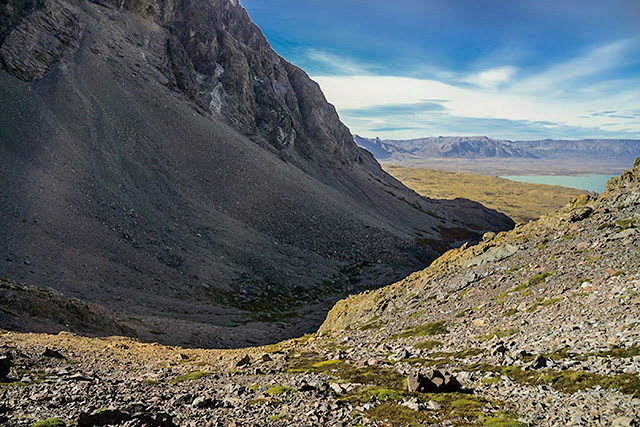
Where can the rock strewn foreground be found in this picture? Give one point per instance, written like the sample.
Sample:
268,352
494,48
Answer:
538,326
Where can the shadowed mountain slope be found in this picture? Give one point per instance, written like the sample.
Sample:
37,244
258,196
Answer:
160,159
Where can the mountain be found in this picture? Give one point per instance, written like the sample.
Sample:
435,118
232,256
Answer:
489,155
537,326
474,147
160,159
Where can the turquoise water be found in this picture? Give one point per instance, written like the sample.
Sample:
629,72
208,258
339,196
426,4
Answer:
590,182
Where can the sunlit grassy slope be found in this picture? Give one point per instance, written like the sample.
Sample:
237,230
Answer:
520,201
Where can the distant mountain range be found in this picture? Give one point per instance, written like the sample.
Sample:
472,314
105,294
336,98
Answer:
613,154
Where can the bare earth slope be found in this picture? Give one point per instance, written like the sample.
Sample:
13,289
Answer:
539,326
160,159
521,201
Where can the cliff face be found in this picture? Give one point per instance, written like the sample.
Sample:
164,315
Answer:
208,50
160,159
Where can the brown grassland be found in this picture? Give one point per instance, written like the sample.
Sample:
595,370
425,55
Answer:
522,202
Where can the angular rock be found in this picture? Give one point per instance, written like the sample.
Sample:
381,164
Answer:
52,353
538,363
5,365
245,360
624,422
117,417
412,405
435,381
401,355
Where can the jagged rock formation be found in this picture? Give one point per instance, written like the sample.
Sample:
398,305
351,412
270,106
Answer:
160,159
535,327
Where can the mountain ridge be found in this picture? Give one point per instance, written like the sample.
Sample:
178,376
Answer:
573,156
126,187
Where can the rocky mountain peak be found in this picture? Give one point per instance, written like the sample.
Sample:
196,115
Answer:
208,50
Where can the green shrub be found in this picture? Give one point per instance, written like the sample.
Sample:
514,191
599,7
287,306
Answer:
51,422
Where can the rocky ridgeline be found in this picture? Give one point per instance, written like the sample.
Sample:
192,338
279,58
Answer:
538,326
181,172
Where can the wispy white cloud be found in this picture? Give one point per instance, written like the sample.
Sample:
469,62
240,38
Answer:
492,78
336,63
579,70
562,98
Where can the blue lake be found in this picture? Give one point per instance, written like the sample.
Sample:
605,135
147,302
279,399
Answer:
590,182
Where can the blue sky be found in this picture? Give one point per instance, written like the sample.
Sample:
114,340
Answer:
508,69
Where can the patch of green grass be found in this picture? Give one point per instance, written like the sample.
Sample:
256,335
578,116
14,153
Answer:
463,313
283,416
510,312
500,333
490,381
501,422
384,394
435,328
512,269
278,389
541,302
566,381
569,236
190,377
460,409
325,363
374,375
51,422
462,354
538,278
550,301
373,323
625,224
621,352
465,292
427,345
523,288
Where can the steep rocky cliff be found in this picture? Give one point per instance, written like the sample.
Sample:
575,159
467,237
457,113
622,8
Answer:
160,159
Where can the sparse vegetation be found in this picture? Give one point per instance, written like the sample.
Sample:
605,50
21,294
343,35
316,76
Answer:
427,345
435,328
191,376
278,389
51,422
279,417
510,312
500,333
565,381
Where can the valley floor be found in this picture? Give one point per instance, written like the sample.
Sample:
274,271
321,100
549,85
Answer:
539,326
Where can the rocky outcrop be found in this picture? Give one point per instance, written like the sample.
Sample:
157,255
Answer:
211,52
29,308
47,35
610,216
